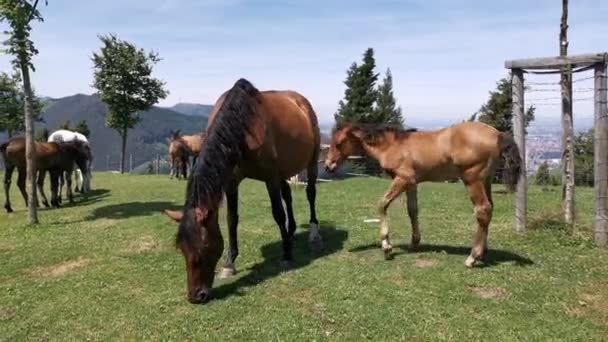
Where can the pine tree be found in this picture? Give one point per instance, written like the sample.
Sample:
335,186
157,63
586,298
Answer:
360,94
83,128
542,175
498,112
387,110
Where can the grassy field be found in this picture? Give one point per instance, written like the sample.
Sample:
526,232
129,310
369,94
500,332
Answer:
107,268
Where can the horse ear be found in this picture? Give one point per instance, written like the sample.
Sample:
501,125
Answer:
174,215
356,133
200,214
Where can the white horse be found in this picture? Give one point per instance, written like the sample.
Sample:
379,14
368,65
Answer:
63,135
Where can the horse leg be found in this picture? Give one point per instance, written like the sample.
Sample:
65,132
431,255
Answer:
274,192
314,238
488,189
68,189
55,176
397,187
232,200
412,212
21,184
61,181
8,174
483,212
185,167
40,182
291,221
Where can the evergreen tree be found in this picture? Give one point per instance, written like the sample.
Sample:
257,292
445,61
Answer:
542,174
498,111
65,125
583,158
360,94
12,102
42,135
387,110
83,128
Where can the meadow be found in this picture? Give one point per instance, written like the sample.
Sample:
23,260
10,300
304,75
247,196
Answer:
107,268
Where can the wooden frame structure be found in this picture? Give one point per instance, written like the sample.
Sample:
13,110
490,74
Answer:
566,64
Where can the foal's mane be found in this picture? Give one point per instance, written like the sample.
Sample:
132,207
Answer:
373,133
224,145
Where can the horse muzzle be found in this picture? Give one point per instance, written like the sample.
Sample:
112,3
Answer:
330,166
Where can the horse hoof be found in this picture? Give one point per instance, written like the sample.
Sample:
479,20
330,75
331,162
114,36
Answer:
286,264
315,244
388,254
8,209
227,272
46,204
470,262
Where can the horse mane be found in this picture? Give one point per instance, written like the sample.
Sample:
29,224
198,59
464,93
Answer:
224,145
373,133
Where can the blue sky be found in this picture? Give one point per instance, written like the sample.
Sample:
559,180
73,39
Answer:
445,55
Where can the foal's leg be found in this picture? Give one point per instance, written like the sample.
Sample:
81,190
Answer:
21,184
286,194
314,238
61,182
8,174
483,212
412,211
274,192
40,182
55,175
232,215
68,189
397,187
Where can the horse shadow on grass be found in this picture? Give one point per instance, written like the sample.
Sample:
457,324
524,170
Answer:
492,257
131,209
333,241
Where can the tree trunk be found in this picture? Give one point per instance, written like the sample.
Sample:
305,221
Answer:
9,132
30,148
123,150
567,123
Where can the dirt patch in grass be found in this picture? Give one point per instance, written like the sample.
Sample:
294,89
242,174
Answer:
425,263
490,292
7,314
61,268
592,304
143,245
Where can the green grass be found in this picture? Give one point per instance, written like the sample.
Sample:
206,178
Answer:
106,268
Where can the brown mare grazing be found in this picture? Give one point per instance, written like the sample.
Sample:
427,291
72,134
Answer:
469,151
268,136
181,148
53,157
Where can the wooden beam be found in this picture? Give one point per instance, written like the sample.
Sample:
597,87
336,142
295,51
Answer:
519,134
557,62
600,165
567,147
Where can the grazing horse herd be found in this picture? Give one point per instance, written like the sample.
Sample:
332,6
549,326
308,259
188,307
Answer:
271,136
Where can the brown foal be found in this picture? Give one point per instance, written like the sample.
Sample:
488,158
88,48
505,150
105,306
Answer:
469,151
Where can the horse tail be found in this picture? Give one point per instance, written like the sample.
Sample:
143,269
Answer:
513,162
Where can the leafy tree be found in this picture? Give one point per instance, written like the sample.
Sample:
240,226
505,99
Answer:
12,99
542,174
387,110
583,158
123,77
360,94
42,135
83,128
18,14
498,112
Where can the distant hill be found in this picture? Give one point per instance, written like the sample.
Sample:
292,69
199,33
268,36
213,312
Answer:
193,109
147,140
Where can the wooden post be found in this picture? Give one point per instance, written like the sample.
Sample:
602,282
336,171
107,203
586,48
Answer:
600,164
567,122
519,134
130,163
158,164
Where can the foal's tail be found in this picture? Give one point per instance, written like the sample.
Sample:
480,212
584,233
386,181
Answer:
513,163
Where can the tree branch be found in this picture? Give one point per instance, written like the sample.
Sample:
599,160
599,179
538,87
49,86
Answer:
31,16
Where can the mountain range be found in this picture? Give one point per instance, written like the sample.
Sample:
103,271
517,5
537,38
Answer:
148,139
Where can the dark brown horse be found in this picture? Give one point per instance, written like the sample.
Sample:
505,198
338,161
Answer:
53,157
267,136
469,151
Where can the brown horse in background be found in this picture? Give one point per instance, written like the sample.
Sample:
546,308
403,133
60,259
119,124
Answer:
181,148
53,157
469,151
268,136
